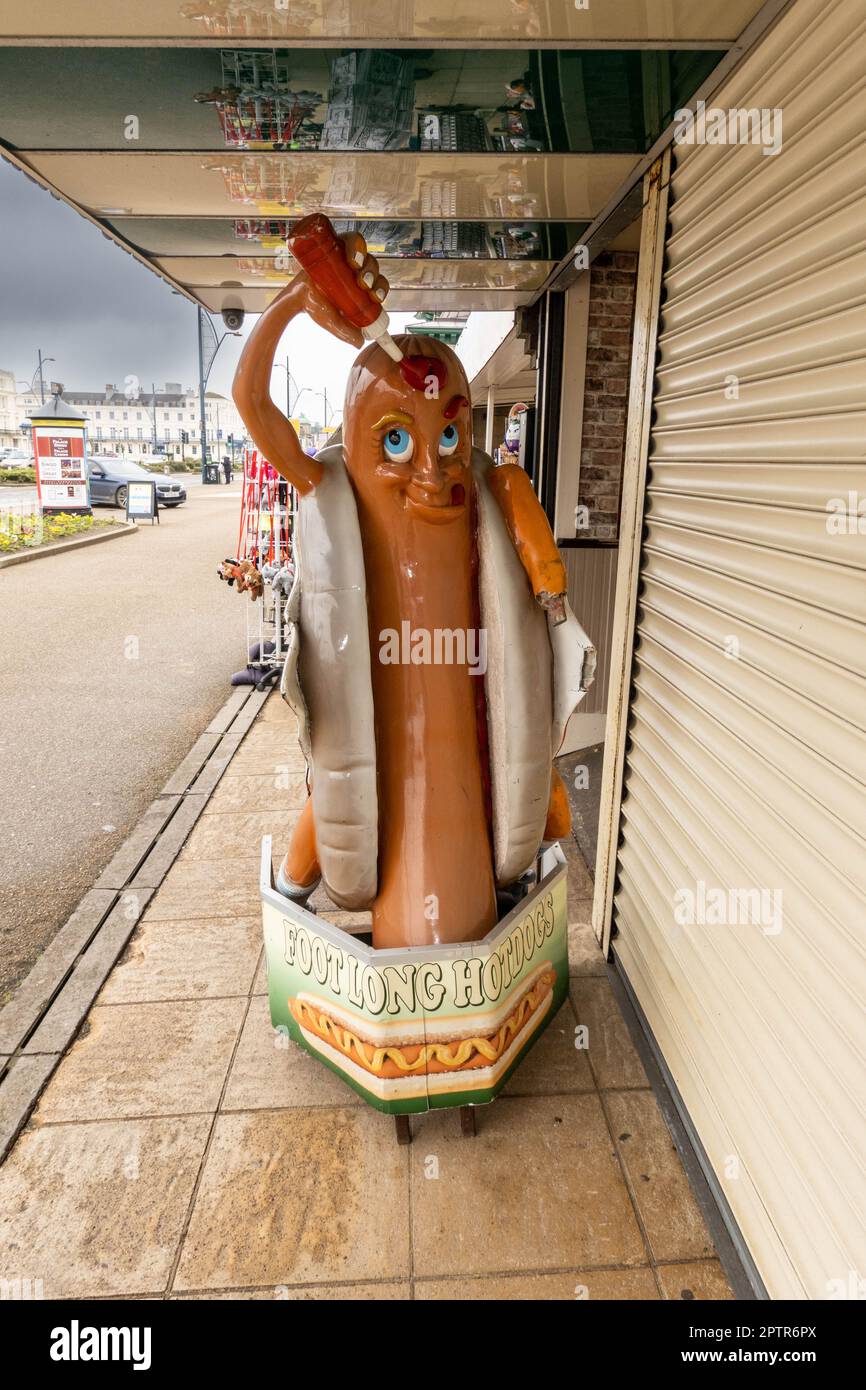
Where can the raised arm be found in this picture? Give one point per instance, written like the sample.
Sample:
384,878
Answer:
269,427
532,537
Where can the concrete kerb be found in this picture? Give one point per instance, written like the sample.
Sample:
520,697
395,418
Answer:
49,1006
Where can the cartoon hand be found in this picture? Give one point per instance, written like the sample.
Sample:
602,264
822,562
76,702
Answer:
366,270
366,266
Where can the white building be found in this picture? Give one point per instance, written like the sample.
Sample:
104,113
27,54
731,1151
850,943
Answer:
134,422
10,419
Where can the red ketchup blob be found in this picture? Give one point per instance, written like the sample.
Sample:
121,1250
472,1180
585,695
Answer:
417,371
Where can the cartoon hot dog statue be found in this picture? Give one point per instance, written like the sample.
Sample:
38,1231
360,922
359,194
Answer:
433,660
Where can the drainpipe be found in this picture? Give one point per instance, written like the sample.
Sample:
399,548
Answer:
201,403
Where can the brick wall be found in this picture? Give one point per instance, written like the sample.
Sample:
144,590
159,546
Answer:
608,353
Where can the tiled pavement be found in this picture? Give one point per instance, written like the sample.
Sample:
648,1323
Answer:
183,1149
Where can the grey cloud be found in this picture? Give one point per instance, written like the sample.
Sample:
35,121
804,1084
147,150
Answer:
68,290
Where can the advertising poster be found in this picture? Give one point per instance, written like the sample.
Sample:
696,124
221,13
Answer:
140,500
420,1028
61,469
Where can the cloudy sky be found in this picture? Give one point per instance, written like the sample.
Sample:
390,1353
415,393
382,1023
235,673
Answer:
66,289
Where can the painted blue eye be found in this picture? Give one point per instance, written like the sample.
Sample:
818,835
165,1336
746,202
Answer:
399,445
448,441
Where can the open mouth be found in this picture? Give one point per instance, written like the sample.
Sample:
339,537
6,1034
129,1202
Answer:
440,512
446,508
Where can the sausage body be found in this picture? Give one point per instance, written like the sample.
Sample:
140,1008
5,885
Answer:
435,857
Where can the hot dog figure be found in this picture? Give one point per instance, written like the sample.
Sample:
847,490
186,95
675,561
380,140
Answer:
433,660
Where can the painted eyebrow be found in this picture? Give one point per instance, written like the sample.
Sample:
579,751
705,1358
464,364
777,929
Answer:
453,406
394,417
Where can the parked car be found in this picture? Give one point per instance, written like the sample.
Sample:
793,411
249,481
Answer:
109,478
13,458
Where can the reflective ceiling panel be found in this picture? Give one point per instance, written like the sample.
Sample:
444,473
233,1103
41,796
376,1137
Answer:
341,21
266,236
255,271
570,188
405,301
502,101
194,133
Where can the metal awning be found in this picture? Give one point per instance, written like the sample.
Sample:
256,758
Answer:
473,152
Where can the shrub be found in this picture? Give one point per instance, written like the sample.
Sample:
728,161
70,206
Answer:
175,466
17,475
20,530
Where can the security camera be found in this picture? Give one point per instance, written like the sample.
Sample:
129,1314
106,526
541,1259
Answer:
233,319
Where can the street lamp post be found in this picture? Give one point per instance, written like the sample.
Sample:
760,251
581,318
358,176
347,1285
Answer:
290,381
334,410
42,362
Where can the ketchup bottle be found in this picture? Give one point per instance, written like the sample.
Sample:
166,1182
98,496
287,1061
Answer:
319,251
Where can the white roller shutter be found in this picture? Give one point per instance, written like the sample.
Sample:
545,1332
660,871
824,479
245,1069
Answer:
747,751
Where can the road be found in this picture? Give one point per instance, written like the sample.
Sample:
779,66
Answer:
113,659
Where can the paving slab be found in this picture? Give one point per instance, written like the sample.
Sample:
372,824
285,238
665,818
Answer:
704,1279
276,711
671,1217
208,888
235,836
271,1072
97,1210
197,959
135,1060
299,1196
612,1054
259,792
584,795
554,1065
273,750
539,1188
580,884
63,1019
574,1286
32,996
388,1292
584,952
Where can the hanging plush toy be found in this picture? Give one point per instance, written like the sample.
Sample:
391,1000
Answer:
434,660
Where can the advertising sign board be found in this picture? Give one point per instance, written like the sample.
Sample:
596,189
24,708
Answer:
419,1028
